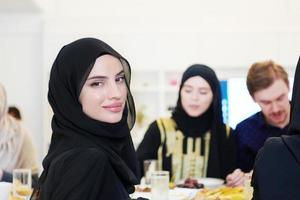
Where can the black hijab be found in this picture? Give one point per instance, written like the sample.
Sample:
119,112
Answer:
219,163
196,126
74,129
294,127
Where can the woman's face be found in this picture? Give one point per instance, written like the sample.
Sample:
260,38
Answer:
103,95
196,96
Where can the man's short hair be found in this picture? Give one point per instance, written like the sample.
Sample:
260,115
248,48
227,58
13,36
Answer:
261,75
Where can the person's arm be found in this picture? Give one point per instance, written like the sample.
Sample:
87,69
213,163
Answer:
245,156
234,176
149,145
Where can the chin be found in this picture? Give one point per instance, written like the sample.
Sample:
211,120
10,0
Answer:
108,118
114,119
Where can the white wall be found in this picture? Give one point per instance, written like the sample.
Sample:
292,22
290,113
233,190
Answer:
227,35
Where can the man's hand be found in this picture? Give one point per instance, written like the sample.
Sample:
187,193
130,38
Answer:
236,178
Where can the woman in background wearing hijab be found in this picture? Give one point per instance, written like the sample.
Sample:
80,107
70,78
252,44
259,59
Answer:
16,148
194,142
276,172
91,155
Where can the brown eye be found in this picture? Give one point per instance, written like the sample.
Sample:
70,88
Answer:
97,83
120,79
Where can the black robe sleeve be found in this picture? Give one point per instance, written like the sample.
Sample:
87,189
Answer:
85,174
149,145
228,153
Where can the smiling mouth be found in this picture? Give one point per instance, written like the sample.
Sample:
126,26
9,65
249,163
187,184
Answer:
115,108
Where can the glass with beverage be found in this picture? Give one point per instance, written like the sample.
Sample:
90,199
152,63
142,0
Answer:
160,185
22,183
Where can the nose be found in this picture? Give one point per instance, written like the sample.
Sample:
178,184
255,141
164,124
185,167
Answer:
275,107
113,91
195,95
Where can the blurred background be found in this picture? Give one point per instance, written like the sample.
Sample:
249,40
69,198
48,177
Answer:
160,38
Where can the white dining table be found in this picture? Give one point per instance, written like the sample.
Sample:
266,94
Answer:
174,194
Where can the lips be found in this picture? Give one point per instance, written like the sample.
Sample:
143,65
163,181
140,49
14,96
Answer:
115,107
194,106
277,116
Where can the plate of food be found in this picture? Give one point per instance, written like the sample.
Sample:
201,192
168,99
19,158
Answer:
227,193
197,183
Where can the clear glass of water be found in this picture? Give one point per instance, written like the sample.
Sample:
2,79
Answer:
160,185
22,183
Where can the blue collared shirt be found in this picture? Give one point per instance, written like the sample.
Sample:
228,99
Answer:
251,136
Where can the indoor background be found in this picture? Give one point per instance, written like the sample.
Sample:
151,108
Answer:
160,38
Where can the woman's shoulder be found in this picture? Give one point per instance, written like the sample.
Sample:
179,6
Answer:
272,146
83,154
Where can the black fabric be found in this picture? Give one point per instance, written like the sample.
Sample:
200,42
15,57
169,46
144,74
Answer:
276,172
222,153
295,105
73,130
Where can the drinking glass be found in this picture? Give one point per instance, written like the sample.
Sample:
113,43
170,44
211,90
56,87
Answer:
160,185
149,167
22,183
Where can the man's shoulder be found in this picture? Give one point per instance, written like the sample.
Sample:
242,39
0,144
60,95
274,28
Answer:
251,121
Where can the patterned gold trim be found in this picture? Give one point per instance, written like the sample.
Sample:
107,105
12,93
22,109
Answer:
187,165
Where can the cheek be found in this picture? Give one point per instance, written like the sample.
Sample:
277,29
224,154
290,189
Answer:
184,100
206,100
265,109
123,90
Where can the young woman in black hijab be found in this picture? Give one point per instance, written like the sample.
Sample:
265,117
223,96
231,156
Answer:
276,172
91,154
194,142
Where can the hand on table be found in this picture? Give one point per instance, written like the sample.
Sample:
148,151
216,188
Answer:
235,179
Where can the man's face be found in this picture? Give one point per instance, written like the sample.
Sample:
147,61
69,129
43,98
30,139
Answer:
274,103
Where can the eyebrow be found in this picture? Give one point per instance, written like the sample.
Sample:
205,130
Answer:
190,86
104,77
266,101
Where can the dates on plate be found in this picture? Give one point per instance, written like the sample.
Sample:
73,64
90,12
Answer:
191,183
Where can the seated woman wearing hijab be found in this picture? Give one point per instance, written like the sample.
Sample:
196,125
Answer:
16,148
91,155
276,171
194,142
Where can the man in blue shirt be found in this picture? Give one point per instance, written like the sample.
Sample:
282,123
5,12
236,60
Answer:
268,85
